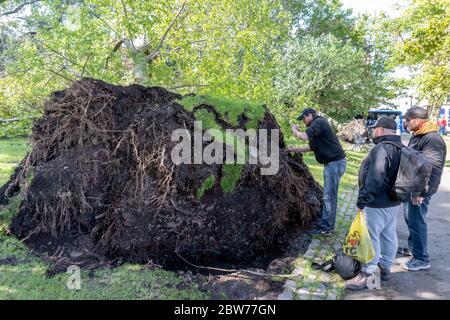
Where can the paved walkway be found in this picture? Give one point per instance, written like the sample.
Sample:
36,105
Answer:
309,284
432,284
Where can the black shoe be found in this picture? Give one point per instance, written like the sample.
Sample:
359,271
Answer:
404,251
385,274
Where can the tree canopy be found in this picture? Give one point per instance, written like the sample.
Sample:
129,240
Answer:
423,43
335,62
237,49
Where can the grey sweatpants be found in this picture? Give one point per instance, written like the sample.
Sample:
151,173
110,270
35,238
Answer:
382,224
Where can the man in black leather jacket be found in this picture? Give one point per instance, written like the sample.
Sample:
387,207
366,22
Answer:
426,139
376,179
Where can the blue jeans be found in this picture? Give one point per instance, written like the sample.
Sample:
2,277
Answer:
382,223
418,232
331,176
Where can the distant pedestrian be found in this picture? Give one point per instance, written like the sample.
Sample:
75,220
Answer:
442,125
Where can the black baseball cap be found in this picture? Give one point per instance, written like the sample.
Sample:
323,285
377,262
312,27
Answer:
305,112
385,122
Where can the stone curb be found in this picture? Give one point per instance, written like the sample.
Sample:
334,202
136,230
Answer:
309,284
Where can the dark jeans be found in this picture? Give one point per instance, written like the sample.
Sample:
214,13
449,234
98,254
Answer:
418,233
332,174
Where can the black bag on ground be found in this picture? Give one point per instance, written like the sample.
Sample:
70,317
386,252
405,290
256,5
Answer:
345,266
413,175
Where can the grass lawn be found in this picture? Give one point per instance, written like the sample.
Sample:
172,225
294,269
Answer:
25,278
12,151
22,274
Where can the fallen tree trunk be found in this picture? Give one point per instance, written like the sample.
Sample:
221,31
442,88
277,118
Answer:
354,132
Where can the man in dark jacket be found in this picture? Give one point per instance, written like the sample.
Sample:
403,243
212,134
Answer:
328,151
426,139
376,179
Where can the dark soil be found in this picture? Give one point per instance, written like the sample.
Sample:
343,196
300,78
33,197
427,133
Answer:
246,286
104,189
242,285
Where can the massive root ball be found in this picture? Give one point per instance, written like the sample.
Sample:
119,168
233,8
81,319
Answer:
100,177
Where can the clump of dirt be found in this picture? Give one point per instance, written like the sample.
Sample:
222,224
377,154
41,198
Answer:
99,182
10,260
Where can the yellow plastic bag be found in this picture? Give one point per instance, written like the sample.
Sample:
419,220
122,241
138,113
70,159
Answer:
358,244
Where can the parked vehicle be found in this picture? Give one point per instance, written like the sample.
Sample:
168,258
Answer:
374,114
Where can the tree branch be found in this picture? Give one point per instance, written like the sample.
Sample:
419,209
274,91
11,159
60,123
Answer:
256,273
84,66
188,86
199,41
156,52
116,47
70,80
17,9
66,60
401,37
98,16
126,16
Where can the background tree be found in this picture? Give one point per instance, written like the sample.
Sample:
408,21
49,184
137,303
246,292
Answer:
335,62
423,44
321,17
325,73
219,47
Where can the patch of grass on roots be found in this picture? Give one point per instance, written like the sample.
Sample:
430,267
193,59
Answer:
206,185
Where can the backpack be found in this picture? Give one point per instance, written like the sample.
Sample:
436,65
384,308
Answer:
413,174
345,266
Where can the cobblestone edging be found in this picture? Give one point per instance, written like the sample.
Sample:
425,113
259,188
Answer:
309,284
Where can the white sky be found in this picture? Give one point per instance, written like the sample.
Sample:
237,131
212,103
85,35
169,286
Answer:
391,7
373,6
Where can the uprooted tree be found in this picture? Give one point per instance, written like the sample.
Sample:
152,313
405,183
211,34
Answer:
99,178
